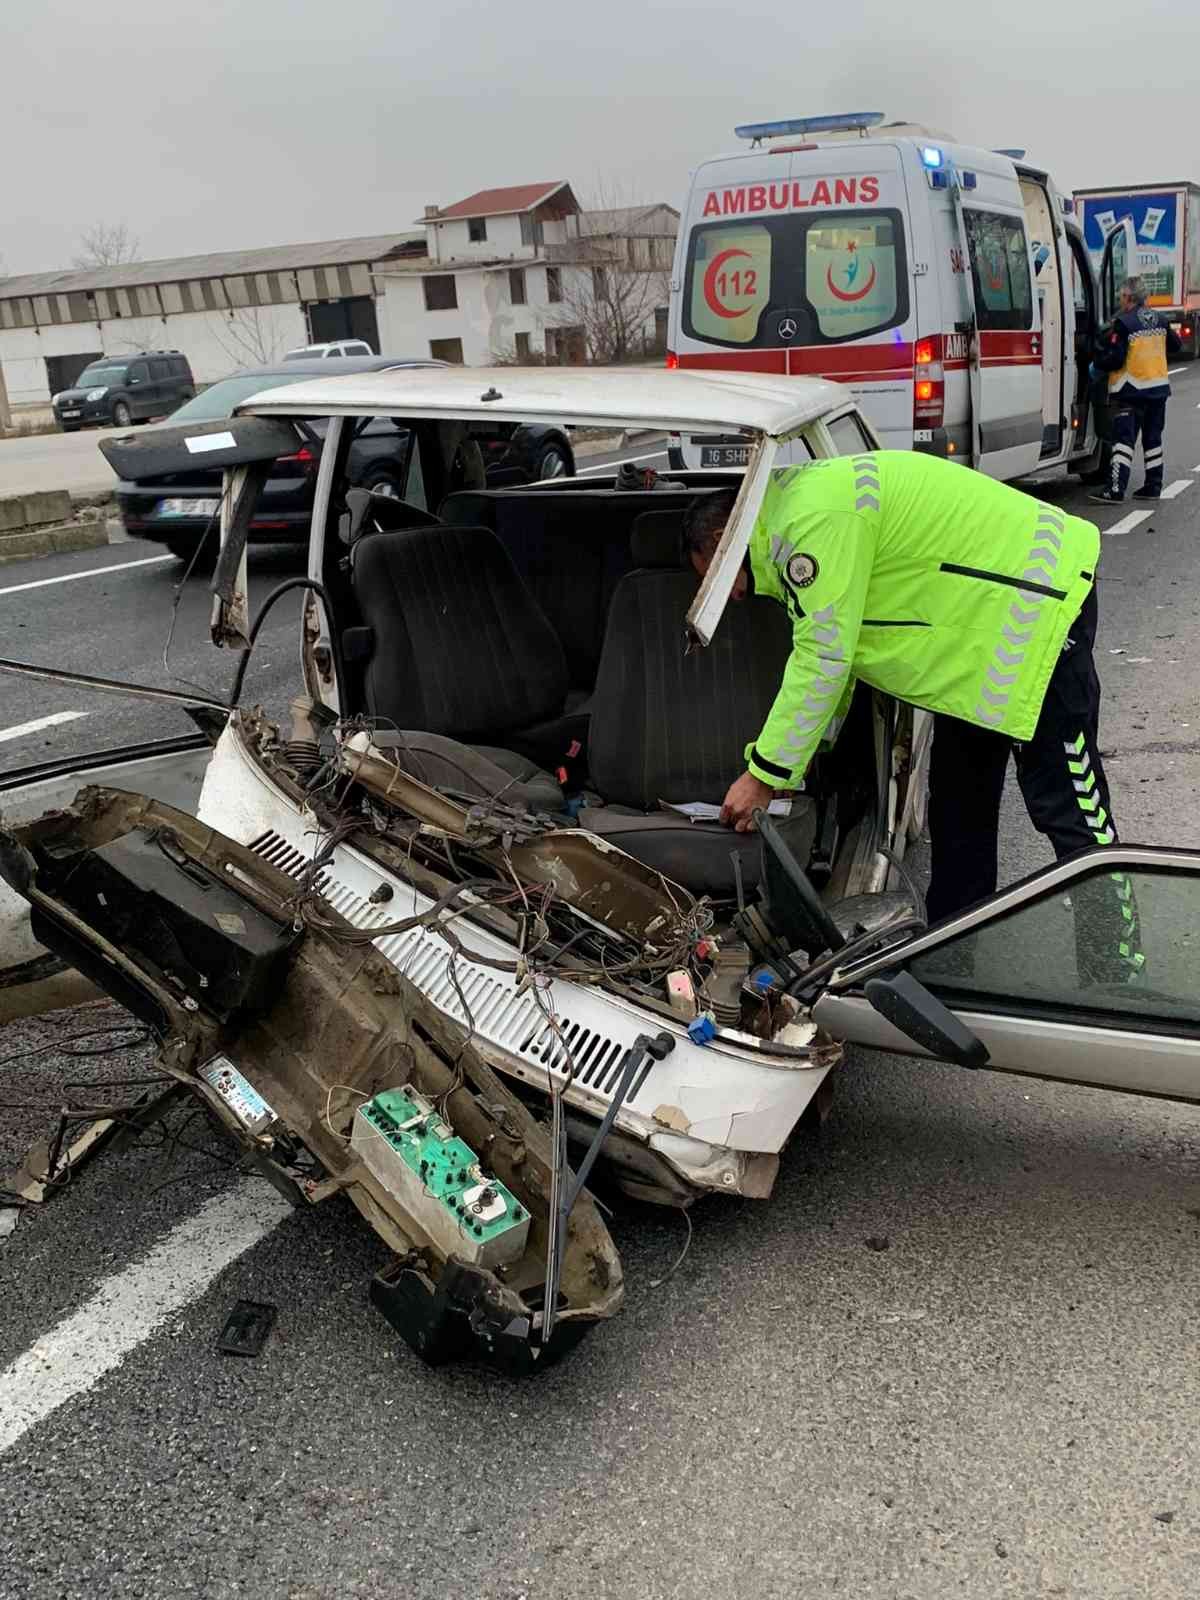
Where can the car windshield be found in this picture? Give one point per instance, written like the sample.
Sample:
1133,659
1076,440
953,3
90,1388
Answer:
93,377
222,399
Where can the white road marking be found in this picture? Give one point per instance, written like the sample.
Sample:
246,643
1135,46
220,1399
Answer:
1171,371
1126,524
1176,488
92,572
610,466
128,1308
41,722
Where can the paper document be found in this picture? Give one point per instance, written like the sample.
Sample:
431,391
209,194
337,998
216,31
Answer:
704,811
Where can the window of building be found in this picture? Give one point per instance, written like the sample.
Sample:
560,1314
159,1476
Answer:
446,349
441,293
477,229
516,286
553,285
532,231
523,350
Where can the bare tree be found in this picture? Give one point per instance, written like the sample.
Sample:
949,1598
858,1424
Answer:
247,333
617,278
106,244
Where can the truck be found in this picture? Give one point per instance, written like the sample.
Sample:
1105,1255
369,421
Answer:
1166,223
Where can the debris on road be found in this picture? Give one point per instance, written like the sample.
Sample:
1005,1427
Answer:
247,1328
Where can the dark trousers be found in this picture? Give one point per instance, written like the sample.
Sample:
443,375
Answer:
1065,792
1146,418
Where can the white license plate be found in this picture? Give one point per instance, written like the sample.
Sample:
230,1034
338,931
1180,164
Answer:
186,508
71,413
724,455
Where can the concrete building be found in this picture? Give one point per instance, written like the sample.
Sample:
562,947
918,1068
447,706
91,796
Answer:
513,274
222,311
522,273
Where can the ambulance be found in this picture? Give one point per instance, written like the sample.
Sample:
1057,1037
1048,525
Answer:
950,288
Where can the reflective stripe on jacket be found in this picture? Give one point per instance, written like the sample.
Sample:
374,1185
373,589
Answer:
921,577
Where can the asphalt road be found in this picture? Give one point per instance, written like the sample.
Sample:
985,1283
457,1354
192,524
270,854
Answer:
56,461
1000,1402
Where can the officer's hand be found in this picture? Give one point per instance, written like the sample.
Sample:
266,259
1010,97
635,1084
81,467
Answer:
747,795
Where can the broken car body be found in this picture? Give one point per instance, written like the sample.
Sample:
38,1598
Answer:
453,916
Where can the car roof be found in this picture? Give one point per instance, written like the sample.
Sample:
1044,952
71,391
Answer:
617,397
320,364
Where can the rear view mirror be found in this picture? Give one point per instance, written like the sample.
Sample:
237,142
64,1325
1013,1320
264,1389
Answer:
923,1018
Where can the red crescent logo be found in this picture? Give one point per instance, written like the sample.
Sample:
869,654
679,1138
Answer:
710,283
842,294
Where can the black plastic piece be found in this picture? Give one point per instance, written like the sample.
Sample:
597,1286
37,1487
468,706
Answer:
909,1006
157,452
462,1317
246,1328
793,908
143,893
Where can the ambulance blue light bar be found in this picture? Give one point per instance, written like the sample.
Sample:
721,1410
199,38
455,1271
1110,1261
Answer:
931,155
839,122
1013,155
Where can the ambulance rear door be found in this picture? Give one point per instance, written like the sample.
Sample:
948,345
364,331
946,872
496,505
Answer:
799,260
1006,345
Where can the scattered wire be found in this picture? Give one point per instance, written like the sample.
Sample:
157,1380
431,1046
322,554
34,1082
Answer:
657,1283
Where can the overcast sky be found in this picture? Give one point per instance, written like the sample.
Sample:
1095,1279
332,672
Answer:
236,123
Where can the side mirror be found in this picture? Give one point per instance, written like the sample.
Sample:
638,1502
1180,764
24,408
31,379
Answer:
909,1006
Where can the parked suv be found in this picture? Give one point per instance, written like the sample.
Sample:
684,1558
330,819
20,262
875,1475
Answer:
118,390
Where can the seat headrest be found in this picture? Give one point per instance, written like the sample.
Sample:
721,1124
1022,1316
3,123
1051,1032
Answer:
656,539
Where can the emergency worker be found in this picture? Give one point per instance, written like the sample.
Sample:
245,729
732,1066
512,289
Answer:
1133,352
959,594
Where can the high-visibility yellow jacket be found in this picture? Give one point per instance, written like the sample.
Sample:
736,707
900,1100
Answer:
921,577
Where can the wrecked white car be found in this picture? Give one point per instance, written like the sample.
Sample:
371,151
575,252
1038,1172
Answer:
466,925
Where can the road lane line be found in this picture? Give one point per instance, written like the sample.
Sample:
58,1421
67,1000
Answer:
92,572
609,466
1126,524
1171,371
1176,488
129,1307
41,722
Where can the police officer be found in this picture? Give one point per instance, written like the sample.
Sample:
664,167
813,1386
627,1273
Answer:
1133,352
959,594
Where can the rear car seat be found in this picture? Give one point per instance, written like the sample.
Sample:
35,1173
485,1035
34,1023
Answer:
670,725
455,644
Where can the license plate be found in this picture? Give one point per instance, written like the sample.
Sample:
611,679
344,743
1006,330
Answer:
724,455
71,413
186,508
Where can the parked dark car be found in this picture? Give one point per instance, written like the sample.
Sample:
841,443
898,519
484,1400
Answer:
118,390
178,510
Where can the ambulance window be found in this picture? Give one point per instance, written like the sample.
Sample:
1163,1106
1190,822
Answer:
730,281
850,274
1000,270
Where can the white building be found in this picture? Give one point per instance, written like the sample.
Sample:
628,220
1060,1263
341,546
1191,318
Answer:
510,274
523,273
235,309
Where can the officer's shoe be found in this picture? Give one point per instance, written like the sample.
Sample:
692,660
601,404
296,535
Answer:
1147,494
1105,497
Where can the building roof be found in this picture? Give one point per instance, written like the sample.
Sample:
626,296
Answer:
224,264
500,202
630,221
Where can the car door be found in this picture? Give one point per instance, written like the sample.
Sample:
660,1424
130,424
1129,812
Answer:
1118,262
1085,972
140,389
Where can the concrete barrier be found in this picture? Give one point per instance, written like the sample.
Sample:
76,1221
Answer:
48,522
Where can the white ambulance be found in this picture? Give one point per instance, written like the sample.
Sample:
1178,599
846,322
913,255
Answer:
948,287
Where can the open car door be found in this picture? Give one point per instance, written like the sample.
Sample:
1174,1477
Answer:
1086,972
1118,262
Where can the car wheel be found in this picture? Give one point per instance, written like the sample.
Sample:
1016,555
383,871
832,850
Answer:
552,463
121,415
380,481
